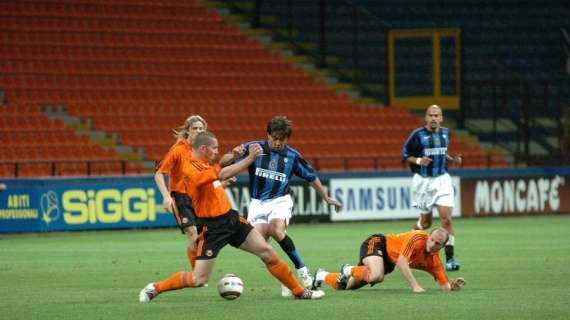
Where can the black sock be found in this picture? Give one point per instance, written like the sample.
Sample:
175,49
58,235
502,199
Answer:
448,253
289,247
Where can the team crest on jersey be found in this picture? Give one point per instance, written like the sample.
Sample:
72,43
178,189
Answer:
273,164
437,142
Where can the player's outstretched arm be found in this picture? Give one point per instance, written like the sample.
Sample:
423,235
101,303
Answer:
228,158
404,266
318,186
232,170
455,285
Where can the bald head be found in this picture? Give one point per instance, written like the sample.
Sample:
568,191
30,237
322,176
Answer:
434,118
434,108
436,240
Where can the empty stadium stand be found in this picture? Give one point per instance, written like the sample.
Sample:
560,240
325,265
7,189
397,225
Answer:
135,70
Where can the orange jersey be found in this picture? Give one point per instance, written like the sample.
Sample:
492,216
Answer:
412,245
208,196
173,162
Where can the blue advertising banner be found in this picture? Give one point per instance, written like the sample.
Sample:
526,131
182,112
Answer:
81,204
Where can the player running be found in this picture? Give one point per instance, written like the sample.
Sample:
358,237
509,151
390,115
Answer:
271,204
425,151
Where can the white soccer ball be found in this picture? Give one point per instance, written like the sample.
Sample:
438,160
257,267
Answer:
230,286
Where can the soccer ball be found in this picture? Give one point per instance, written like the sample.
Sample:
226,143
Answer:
230,286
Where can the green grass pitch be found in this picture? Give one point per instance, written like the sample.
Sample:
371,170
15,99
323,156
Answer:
515,268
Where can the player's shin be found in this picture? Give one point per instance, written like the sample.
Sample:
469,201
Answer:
280,270
177,281
191,254
331,280
361,274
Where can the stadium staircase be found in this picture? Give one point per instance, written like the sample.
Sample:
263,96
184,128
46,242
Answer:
96,87
514,87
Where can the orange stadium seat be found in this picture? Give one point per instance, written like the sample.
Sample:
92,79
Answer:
138,68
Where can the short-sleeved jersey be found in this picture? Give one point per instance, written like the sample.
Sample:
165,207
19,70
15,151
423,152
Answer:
423,143
270,173
206,191
412,245
172,164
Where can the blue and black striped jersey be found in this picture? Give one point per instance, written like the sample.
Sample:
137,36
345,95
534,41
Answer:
423,143
270,173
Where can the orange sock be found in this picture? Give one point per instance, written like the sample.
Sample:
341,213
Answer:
361,273
330,279
177,281
280,270
191,253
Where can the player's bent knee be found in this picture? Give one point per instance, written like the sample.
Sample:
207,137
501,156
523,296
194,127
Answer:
277,234
265,253
376,278
199,280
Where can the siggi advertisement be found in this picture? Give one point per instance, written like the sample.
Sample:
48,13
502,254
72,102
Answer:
109,203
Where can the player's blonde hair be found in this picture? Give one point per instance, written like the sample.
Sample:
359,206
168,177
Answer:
184,130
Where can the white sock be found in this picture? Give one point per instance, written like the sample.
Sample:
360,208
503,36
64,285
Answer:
320,276
451,241
419,225
303,270
348,271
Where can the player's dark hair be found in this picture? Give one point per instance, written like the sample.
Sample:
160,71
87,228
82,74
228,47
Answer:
279,126
205,138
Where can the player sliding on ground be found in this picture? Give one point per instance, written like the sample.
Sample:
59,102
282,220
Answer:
219,225
379,255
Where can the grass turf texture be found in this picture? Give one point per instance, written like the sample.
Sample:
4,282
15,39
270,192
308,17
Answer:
515,268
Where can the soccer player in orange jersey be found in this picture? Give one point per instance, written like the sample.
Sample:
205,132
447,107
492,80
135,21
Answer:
177,200
379,255
219,225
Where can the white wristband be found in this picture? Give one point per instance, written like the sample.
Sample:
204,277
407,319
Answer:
418,161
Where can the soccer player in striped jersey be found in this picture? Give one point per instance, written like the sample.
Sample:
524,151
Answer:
271,204
220,225
425,151
380,254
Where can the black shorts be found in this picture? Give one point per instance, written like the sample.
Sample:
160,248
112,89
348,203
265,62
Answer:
216,232
183,210
375,245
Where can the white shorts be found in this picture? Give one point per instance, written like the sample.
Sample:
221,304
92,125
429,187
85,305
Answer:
262,212
430,191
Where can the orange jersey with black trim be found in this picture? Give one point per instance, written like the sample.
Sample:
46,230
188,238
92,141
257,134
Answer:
205,189
173,162
412,245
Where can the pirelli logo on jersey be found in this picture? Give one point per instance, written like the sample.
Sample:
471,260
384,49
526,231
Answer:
435,151
268,174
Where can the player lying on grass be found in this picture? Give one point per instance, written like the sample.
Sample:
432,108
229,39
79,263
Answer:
219,225
379,255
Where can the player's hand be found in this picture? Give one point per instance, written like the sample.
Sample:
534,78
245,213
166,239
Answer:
457,284
167,204
458,160
419,289
425,161
238,151
333,202
255,150
228,182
